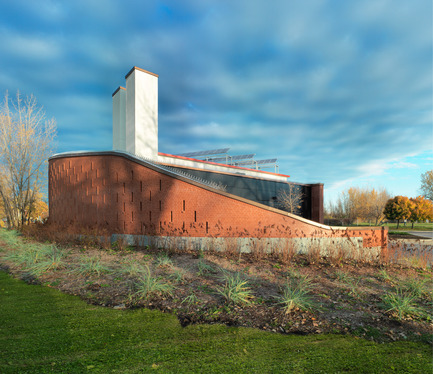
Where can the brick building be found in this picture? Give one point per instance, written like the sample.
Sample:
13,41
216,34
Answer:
136,190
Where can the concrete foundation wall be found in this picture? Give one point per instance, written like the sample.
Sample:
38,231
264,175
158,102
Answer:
352,247
120,194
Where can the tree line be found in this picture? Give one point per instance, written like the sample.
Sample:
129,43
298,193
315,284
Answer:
375,205
356,203
417,209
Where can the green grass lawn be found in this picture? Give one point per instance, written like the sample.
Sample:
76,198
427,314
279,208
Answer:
408,227
44,331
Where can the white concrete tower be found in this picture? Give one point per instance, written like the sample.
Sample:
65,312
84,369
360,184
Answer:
142,113
119,119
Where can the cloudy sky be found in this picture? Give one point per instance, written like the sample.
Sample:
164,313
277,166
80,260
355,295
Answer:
339,91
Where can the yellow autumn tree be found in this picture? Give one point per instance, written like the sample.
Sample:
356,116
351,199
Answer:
421,209
364,204
26,142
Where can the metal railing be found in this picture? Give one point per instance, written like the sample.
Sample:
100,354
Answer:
176,171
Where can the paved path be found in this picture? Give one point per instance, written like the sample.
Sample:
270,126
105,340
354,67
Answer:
425,234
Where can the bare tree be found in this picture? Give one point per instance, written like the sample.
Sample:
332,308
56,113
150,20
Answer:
26,140
427,184
356,203
291,199
376,203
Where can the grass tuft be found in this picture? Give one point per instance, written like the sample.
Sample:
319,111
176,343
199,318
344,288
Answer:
178,275
131,267
91,265
52,260
204,268
191,299
415,286
383,275
163,261
236,290
296,294
401,303
149,285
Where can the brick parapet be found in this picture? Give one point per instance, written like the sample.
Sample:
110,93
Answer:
119,194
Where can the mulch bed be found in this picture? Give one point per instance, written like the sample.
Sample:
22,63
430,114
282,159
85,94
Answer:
346,306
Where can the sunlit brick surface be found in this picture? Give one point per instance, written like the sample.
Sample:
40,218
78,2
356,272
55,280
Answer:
117,194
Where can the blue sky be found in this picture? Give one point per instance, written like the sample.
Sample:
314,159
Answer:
339,91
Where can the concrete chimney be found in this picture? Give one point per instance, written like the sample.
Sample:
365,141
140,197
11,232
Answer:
141,125
119,119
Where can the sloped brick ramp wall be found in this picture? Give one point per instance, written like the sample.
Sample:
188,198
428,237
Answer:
117,193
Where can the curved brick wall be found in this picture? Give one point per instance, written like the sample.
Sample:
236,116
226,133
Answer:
120,194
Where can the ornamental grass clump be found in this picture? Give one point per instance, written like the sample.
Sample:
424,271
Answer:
52,259
178,275
149,285
37,259
401,304
131,267
296,295
11,237
191,299
23,257
204,268
163,261
91,265
236,290
418,287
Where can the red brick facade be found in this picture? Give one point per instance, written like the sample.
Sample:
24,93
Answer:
120,194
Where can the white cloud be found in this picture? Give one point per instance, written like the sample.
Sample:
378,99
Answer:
22,46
